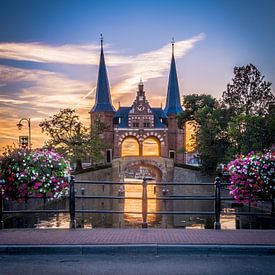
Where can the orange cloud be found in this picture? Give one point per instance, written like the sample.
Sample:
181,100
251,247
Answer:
40,93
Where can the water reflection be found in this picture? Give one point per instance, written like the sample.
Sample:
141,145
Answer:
228,221
60,220
135,205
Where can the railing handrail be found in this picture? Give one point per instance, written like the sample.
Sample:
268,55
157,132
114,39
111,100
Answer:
140,183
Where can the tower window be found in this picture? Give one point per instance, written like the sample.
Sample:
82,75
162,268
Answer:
135,124
146,124
109,155
172,154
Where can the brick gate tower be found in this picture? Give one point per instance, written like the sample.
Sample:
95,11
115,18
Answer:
146,130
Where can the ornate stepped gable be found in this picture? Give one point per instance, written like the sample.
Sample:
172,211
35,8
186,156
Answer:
140,114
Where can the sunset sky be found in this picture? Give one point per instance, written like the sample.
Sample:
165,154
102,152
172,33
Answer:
49,52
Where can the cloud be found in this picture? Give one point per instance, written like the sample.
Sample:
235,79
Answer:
65,54
39,93
153,64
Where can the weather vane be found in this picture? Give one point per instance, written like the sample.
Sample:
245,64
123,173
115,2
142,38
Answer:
173,43
101,40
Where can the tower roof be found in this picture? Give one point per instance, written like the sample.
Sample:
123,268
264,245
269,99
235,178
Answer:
173,105
103,102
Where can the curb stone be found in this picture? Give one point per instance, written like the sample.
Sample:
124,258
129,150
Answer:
147,249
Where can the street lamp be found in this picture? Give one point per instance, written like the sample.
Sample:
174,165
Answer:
20,125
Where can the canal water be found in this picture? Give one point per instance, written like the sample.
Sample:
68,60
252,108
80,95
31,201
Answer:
132,204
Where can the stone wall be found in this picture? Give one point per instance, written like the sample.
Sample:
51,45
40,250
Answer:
96,219
190,176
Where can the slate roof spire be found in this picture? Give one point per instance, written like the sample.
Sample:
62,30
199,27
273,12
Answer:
173,105
103,102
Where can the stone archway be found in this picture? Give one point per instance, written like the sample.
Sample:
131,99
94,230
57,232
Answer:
164,165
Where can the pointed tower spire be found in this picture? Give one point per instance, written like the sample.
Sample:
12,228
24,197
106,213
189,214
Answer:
173,105
103,102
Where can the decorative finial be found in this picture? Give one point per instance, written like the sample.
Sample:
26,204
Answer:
140,81
119,104
101,40
173,43
161,104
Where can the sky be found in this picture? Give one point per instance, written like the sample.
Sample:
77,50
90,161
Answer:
49,52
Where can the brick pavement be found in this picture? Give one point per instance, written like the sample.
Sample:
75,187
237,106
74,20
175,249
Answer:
135,236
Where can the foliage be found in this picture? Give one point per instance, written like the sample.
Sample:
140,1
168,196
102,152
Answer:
192,104
40,172
251,176
71,137
248,133
209,130
249,93
240,122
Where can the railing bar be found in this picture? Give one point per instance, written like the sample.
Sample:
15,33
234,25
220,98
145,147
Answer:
140,183
122,212
35,211
150,198
150,213
246,214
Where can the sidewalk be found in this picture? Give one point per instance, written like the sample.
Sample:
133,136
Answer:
143,240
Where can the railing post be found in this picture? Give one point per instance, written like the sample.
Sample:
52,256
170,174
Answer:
72,204
144,204
217,224
1,208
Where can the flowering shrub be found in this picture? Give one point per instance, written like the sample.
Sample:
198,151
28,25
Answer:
251,176
40,172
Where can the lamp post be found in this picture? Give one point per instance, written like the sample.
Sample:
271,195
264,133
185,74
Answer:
20,125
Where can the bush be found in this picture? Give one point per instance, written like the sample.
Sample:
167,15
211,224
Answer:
251,176
40,173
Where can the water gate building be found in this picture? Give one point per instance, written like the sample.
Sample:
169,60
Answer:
139,129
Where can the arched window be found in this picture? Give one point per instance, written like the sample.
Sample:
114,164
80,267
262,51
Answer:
130,147
151,147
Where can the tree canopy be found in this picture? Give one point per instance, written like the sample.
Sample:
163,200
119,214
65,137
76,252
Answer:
249,93
240,122
68,133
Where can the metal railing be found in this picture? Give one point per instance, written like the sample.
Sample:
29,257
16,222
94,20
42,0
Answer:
217,199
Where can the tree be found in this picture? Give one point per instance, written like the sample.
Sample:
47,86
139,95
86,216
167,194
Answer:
210,128
192,104
75,140
251,133
249,93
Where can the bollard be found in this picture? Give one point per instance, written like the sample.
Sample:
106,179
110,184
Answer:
217,224
1,209
121,193
144,204
165,192
82,206
273,197
72,204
